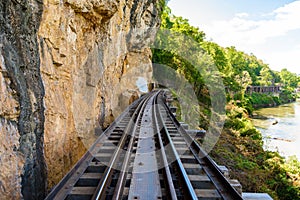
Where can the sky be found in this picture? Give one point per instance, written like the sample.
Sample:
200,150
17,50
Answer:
270,29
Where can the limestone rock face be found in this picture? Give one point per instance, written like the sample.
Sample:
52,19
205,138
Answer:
22,160
11,161
67,70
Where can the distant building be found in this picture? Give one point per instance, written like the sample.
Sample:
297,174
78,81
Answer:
263,89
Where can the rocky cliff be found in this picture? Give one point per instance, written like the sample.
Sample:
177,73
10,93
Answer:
67,69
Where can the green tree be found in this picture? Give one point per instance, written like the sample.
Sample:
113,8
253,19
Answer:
244,80
218,54
289,79
236,59
266,78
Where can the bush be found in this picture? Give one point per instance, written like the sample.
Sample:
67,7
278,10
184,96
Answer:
286,96
251,132
235,124
277,100
247,105
260,99
282,180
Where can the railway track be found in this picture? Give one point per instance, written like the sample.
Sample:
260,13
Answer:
145,154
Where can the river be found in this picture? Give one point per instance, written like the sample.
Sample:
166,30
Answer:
280,127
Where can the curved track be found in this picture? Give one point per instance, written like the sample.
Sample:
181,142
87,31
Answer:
145,154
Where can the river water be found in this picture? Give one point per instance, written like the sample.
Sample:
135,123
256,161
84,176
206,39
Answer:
280,127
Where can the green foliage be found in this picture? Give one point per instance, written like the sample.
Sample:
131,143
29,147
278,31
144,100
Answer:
244,163
180,25
283,176
287,95
181,50
237,120
266,78
251,132
258,100
262,99
256,169
289,80
292,165
235,124
240,146
161,5
218,54
237,68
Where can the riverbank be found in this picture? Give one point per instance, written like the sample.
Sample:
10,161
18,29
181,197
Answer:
270,105
241,148
260,100
279,127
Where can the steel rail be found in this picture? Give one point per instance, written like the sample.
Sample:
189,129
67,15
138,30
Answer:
163,121
125,166
191,192
168,175
103,184
226,190
64,187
